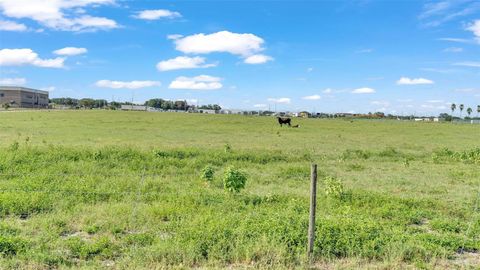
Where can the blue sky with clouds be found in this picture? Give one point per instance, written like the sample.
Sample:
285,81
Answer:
392,56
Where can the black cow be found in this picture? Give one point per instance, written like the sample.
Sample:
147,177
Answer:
286,121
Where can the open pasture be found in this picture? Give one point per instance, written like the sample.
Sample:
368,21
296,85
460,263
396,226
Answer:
118,190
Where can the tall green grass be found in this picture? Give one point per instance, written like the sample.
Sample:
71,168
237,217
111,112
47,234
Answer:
82,201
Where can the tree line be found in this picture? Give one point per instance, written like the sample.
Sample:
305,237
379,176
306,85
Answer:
158,103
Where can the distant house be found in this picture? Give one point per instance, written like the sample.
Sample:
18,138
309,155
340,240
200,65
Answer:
23,97
207,111
133,108
303,114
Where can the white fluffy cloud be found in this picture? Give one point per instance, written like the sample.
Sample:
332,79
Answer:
58,14
183,62
363,90
260,105
223,41
408,81
327,91
12,26
127,85
257,59
20,57
202,82
283,100
155,14
13,81
69,51
312,97
245,45
475,28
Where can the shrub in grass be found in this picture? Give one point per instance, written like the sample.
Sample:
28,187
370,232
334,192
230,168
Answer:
333,187
14,146
234,180
10,245
207,173
227,148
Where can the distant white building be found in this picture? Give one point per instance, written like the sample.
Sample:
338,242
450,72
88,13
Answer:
133,108
153,109
231,112
207,111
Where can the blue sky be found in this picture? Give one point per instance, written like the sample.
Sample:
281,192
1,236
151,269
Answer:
358,56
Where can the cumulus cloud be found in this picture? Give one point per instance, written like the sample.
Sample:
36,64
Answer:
312,97
257,59
363,90
183,62
59,14
202,82
126,84
244,45
13,81
21,57
475,28
327,91
156,14
409,81
280,100
12,26
260,105
69,51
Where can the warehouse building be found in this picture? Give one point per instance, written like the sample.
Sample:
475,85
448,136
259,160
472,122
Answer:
22,97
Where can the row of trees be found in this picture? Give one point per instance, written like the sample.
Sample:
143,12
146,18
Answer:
210,107
453,107
158,103
84,102
167,104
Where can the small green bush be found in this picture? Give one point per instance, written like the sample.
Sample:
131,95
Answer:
234,180
10,245
333,187
208,173
227,148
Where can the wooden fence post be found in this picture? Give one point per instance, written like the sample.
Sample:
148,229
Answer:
313,204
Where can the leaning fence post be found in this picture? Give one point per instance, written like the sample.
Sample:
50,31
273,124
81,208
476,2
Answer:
313,204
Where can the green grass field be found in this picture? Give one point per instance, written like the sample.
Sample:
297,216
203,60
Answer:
122,190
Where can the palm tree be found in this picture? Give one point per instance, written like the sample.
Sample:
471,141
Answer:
453,107
461,109
469,111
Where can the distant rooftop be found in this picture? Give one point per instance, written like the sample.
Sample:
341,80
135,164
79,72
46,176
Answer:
19,88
